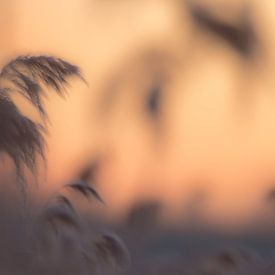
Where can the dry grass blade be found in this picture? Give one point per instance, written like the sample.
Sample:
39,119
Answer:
65,201
57,215
83,188
110,249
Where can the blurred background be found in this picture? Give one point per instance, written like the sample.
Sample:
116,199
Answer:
179,106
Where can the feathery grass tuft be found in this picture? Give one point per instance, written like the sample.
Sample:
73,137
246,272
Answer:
21,138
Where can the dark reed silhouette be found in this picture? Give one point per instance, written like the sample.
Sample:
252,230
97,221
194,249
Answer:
22,138
58,240
79,248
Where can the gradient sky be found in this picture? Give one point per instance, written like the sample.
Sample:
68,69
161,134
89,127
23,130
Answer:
217,134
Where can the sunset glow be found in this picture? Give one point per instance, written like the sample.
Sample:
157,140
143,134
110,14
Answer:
217,124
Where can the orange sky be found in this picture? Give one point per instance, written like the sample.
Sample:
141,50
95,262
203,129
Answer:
209,140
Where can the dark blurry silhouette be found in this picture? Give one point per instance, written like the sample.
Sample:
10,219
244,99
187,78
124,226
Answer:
146,73
153,101
241,36
89,172
271,196
144,215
